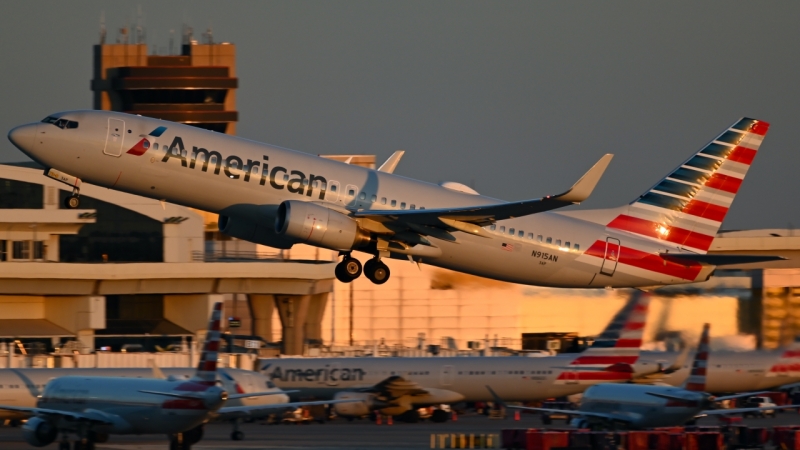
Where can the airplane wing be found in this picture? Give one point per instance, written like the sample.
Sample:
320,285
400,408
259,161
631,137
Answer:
568,412
233,412
746,394
392,162
395,386
257,394
90,416
469,219
723,412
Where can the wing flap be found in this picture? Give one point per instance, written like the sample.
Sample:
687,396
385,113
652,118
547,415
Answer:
717,259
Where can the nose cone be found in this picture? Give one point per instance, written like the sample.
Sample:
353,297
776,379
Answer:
23,136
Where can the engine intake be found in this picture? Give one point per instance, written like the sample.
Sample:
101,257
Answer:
319,226
39,432
252,231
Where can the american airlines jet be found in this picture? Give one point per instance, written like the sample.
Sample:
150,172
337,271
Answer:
279,197
395,386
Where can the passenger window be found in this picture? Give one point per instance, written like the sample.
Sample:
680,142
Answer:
403,205
394,203
576,247
520,234
567,245
558,242
286,177
549,240
493,227
539,238
374,198
383,200
334,187
511,231
503,229
530,236
362,196
351,193
412,206
421,207
155,146
305,181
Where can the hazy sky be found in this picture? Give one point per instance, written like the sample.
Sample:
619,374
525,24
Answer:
516,98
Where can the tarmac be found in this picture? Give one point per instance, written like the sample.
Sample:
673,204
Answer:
340,434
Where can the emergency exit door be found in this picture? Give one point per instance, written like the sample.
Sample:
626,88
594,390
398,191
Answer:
611,257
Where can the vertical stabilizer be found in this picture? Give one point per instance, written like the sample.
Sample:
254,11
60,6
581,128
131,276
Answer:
207,367
687,207
697,377
619,343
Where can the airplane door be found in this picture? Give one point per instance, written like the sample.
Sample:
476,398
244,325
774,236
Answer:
350,193
611,257
332,192
333,375
571,377
114,137
446,377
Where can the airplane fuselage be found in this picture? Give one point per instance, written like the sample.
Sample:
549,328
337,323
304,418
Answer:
640,409
245,182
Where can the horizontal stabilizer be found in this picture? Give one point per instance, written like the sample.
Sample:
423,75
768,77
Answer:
670,397
718,260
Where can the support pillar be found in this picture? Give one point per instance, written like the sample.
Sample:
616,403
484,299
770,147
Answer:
80,315
313,323
262,308
293,310
191,312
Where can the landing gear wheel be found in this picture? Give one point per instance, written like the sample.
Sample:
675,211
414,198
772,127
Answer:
63,445
439,416
348,270
237,436
376,271
72,202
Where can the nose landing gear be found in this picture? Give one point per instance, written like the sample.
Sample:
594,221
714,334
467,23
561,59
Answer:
74,200
350,268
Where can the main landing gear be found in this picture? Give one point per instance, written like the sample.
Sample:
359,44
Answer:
350,268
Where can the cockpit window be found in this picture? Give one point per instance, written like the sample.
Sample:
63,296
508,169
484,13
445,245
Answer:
60,123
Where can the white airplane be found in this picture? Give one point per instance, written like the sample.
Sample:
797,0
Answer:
399,385
279,197
644,406
731,371
94,407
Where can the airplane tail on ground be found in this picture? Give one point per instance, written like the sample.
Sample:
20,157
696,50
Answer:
616,349
697,377
207,367
688,206
788,363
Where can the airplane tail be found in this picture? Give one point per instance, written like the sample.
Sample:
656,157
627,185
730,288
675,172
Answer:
207,367
687,207
788,363
697,377
619,343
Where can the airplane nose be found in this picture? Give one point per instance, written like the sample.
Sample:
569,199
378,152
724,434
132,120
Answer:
22,136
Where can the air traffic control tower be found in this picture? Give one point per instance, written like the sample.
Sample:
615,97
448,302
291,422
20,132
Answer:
196,87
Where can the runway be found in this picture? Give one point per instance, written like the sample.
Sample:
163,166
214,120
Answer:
339,434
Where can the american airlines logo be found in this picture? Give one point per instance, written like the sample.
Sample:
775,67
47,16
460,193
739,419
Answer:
235,168
315,375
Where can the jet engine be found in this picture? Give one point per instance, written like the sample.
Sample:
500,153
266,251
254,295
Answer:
319,226
253,231
39,432
370,402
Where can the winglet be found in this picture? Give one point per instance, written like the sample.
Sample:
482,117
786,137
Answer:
392,162
581,190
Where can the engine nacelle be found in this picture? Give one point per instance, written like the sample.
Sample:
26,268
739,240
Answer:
317,225
252,231
39,432
368,403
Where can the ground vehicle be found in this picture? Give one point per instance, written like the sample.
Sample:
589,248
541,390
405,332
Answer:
759,402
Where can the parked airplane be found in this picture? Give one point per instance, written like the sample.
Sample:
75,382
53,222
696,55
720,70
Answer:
22,387
279,197
397,385
730,371
94,407
645,406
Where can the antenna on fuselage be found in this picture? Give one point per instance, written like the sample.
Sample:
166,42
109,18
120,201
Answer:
102,28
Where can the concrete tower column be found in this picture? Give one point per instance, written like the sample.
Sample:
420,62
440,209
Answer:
262,307
313,323
293,310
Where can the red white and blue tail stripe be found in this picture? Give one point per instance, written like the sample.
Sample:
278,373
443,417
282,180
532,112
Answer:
687,207
616,349
207,367
697,377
